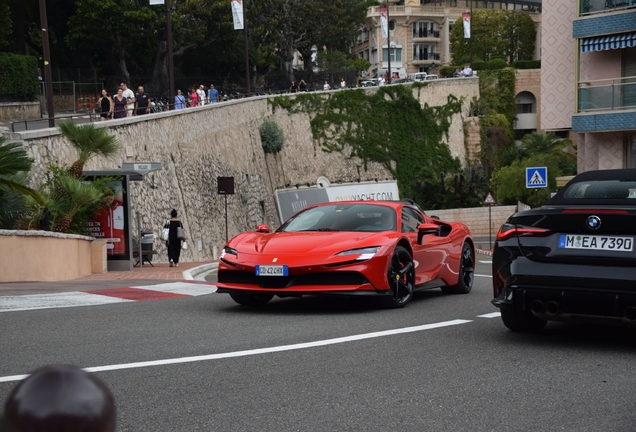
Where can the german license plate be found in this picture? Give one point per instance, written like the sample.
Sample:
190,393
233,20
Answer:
271,270
596,242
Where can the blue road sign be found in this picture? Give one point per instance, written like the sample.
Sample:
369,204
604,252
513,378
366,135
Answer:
536,177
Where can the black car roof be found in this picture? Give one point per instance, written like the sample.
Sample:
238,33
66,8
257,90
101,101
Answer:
628,174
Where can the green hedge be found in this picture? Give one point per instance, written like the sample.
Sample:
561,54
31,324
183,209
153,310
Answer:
19,76
527,64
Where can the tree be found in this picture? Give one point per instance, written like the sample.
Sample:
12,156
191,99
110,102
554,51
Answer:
505,34
89,141
14,160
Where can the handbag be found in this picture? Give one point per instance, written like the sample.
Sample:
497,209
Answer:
165,232
181,233
184,245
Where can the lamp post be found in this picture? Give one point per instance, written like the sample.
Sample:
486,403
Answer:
388,36
48,74
169,54
471,34
247,57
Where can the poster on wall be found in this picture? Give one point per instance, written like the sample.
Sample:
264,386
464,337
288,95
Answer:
111,223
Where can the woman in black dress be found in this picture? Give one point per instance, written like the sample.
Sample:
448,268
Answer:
174,242
119,104
106,105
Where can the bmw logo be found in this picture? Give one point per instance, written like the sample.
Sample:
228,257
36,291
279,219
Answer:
593,222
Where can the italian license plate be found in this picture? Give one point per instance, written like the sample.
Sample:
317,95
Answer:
596,242
271,270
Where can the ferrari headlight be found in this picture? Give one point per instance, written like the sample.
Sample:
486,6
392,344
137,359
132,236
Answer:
364,253
228,250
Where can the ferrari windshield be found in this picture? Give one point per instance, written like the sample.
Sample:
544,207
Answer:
342,217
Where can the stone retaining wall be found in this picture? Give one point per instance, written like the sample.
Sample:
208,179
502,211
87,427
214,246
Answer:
197,145
476,218
19,110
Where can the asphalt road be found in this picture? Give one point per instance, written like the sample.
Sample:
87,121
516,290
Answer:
331,364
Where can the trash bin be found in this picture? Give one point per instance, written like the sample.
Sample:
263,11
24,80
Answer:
147,240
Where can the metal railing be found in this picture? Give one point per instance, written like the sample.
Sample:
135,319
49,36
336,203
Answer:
607,94
588,7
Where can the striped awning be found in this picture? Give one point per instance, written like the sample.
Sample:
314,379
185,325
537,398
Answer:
602,43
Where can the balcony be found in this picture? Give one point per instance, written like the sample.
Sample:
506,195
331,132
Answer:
589,7
424,34
424,58
607,94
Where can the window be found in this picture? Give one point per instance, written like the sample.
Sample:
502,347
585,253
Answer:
424,29
392,25
374,56
424,52
396,54
411,220
630,152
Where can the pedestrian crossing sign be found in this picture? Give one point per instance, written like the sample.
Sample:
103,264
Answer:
536,177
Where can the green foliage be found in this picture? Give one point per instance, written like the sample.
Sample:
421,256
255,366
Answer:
90,141
535,150
14,161
19,76
6,24
509,183
527,64
496,33
496,138
447,71
389,127
272,137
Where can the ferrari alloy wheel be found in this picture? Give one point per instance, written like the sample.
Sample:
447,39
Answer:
521,321
251,299
466,273
401,277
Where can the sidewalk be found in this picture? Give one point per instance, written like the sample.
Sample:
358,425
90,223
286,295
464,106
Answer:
146,275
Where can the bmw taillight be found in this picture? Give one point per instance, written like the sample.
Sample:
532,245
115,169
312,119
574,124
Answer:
508,231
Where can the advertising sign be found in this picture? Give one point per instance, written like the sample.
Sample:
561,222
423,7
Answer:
111,223
466,20
237,14
291,201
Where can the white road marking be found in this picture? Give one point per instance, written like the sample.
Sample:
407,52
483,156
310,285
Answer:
56,300
490,315
488,276
80,298
485,262
184,288
258,351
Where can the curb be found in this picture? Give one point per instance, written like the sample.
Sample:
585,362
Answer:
193,273
484,252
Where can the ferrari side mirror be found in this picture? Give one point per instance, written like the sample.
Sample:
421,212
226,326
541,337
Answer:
262,229
426,228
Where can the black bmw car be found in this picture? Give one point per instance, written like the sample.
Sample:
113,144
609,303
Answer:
572,259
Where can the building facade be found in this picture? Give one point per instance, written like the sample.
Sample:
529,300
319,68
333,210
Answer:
589,78
419,32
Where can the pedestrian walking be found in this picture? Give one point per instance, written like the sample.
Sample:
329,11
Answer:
60,398
130,97
106,106
201,94
179,100
213,94
175,227
194,98
119,104
142,102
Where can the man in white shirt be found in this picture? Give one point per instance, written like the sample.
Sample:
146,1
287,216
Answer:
467,71
130,97
201,94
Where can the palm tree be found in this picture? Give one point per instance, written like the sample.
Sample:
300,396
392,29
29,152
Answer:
14,160
549,143
89,142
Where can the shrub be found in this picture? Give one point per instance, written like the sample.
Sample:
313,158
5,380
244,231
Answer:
498,63
527,64
19,76
272,137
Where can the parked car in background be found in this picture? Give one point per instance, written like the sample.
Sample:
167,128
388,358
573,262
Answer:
369,82
431,77
382,249
573,258
418,76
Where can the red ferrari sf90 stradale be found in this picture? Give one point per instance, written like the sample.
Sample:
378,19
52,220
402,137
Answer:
387,249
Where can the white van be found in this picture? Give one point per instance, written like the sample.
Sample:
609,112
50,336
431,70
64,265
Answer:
418,76
431,77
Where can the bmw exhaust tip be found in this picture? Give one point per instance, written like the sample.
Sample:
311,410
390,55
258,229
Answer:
536,307
552,307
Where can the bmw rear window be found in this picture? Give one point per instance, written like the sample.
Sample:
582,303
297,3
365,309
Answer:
601,189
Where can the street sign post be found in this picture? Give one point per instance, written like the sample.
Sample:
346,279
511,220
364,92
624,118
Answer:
536,178
490,201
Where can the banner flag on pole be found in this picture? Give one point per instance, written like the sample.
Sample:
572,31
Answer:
466,19
384,22
237,14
